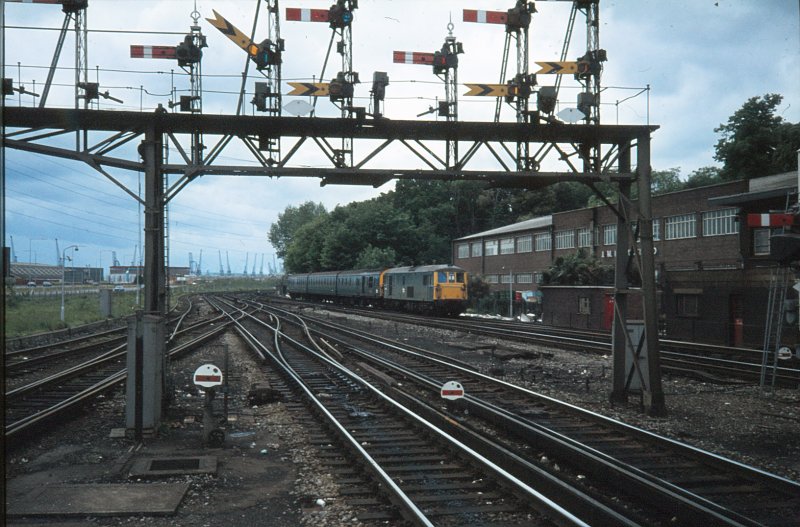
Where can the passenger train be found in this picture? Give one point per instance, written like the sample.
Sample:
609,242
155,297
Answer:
439,289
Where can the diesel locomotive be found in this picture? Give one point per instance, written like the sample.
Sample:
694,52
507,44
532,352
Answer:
438,289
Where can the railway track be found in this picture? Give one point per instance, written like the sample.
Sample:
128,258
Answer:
641,478
422,472
705,361
50,397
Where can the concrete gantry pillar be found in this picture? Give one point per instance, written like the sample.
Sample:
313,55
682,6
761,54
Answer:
146,356
636,357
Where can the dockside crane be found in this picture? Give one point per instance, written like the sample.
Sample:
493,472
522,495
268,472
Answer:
200,264
246,262
14,252
228,260
221,269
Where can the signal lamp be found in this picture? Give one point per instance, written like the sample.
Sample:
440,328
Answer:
546,99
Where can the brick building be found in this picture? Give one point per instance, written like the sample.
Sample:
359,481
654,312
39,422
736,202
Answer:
712,271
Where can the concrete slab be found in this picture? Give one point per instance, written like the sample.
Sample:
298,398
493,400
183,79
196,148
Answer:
100,500
173,466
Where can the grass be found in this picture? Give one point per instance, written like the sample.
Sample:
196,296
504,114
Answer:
27,315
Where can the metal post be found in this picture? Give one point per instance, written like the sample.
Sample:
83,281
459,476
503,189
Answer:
510,294
619,392
654,397
155,283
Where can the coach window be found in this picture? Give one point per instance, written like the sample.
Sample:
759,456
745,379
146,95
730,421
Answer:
442,277
460,278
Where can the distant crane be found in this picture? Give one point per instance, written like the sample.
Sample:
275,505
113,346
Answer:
221,269
255,258
114,260
192,267
13,252
200,263
229,263
261,271
246,261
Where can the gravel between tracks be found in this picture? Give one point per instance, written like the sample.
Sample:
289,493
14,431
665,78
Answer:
270,475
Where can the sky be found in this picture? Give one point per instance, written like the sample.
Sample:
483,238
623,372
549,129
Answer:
684,65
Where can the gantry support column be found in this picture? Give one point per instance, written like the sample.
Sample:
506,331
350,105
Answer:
654,397
154,273
146,354
619,392
636,359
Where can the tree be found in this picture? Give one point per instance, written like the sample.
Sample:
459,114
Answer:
756,142
703,177
304,251
289,221
374,258
578,269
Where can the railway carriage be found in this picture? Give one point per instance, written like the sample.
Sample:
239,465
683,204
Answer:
440,289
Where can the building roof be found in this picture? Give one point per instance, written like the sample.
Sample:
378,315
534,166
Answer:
34,271
527,225
767,187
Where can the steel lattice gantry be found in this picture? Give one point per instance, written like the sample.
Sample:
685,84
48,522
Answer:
38,130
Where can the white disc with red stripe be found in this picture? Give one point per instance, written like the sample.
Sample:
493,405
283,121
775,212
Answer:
208,376
452,390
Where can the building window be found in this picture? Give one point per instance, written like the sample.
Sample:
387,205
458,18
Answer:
491,279
610,234
477,249
463,250
656,229
677,227
525,278
688,305
584,306
542,242
720,222
761,241
507,246
565,239
538,277
524,244
505,278
585,237
491,248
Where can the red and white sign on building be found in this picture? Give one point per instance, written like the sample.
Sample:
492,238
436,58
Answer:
452,390
208,376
